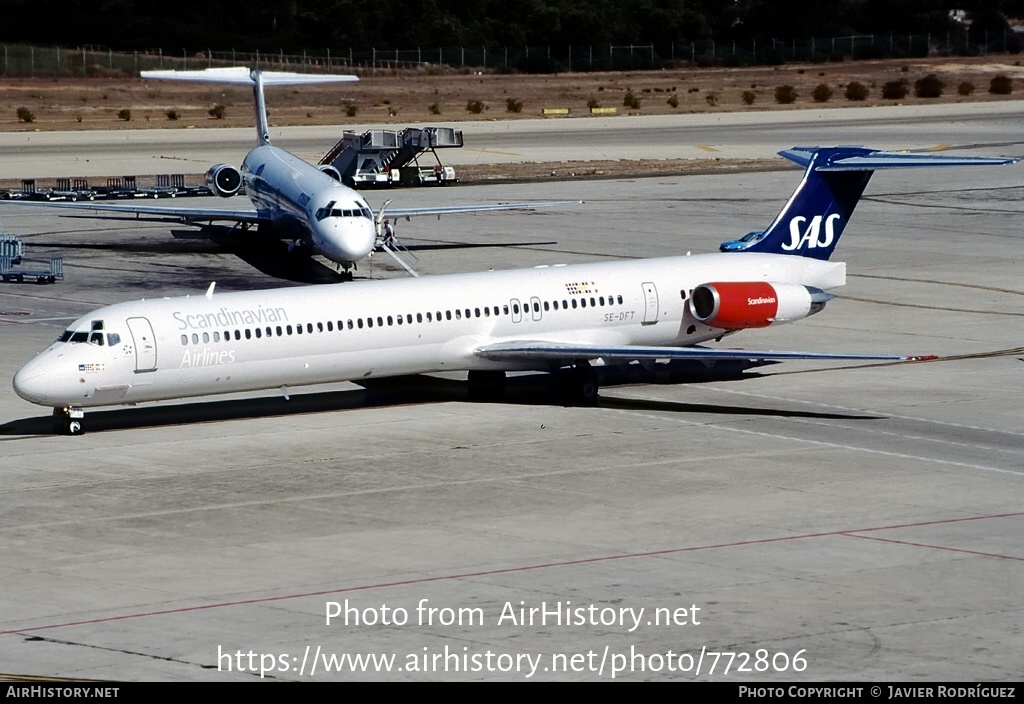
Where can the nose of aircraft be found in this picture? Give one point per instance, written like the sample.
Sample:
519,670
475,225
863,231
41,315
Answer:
345,239
34,383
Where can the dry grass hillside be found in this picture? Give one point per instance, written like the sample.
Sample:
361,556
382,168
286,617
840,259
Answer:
419,97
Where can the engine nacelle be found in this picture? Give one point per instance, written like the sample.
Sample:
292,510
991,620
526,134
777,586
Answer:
735,305
223,180
331,171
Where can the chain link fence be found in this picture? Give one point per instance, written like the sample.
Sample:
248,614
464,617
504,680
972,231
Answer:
32,61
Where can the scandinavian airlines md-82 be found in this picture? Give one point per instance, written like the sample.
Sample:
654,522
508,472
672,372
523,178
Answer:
546,318
293,199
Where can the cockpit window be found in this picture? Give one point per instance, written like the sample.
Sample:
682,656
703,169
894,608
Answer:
113,339
329,211
96,338
65,337
79,337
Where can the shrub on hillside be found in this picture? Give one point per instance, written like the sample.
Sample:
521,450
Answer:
785,94
856,91
1001,85
895,90
821,93
928,87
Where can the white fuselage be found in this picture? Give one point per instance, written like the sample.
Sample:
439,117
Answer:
302,200
229,342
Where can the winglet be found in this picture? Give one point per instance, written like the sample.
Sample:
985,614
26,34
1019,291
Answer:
209,291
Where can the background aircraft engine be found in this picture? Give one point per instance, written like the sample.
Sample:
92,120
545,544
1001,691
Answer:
223,180
736,305
331,171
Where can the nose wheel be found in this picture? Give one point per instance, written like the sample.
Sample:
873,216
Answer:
68,421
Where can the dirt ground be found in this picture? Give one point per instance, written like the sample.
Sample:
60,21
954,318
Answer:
431,96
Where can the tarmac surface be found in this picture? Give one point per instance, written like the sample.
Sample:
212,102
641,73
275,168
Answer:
804,522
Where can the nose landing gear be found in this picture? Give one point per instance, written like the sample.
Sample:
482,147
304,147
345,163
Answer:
68,420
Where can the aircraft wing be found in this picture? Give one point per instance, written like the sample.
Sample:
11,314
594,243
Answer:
452,209
170,212
526,350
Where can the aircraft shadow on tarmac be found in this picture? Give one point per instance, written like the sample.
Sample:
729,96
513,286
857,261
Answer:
266,253
522,389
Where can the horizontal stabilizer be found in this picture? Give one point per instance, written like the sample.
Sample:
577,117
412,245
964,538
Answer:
240,75
565,353
842,159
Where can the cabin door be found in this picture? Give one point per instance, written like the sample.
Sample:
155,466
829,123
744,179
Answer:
145,344
650,304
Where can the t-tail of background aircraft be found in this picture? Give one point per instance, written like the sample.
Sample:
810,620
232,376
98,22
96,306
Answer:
558,319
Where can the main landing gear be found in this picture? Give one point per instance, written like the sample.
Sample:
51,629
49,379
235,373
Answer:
68,420
579,385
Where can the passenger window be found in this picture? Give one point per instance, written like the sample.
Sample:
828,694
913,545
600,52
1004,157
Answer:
369,322
238,335
184,339
309,328
259,333
206,338
419,317
574,303
279,331
448,314
195,338
391,321
216,336
360,322
380,322
248,334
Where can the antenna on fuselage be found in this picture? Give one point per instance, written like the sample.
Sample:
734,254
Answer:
240,75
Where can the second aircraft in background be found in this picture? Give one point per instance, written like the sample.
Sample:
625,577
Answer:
293,199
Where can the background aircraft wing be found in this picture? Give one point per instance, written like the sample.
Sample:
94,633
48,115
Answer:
562,353
104,210
452,209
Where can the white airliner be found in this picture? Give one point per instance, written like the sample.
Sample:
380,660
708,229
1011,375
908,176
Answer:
488,323
294,200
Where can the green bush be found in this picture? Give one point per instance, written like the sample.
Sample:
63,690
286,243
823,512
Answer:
749,97
785,94
631,101
475,106
124,114
712,99
1001,85
216,112
351,110
513,105
895,90
25,115
928,87
172,114
593,103
673,101
965,88
821,93
434,108
856,91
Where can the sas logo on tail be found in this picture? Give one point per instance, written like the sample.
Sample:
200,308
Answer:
811,235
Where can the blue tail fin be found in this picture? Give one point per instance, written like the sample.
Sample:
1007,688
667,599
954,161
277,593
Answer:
813,220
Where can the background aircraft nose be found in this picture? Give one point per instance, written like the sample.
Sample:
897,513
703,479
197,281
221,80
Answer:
345,239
